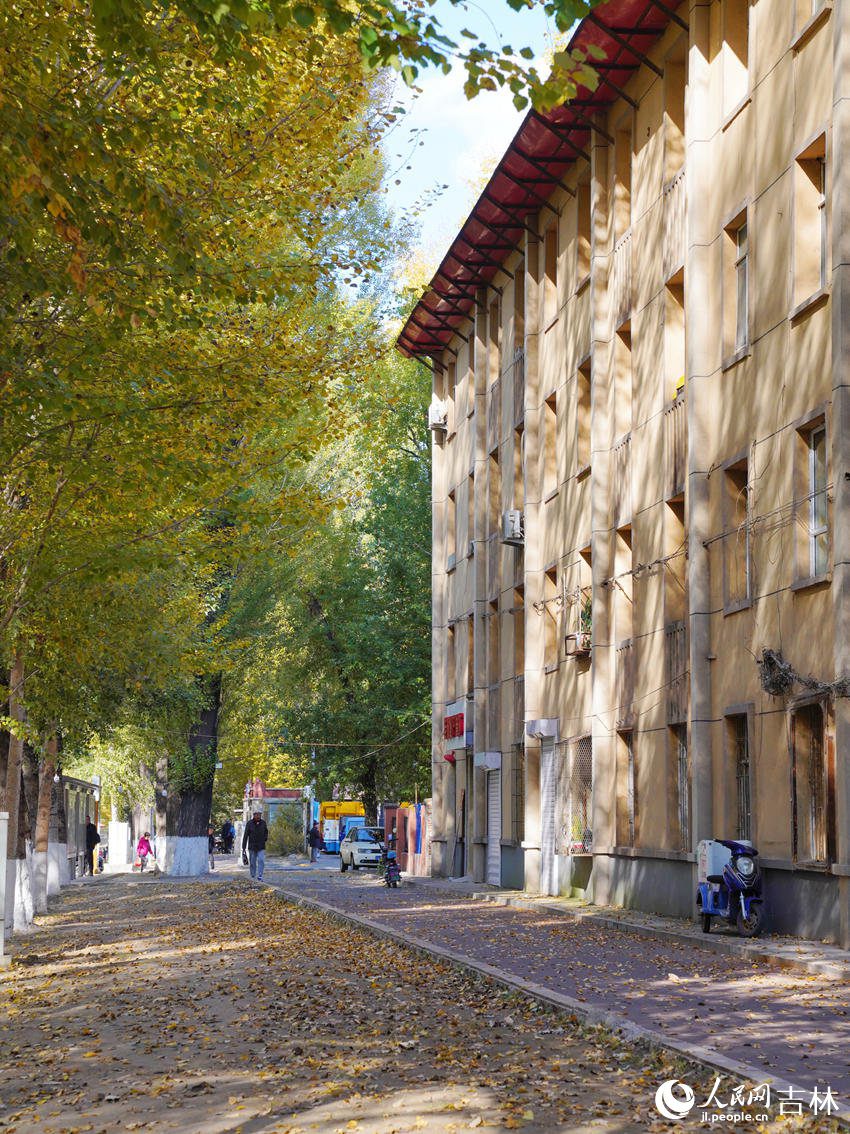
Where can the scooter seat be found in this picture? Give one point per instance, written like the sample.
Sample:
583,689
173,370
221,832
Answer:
715,878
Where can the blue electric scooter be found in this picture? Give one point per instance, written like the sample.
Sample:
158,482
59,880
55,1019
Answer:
730,885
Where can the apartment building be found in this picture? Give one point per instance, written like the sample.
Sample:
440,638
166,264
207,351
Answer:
640,342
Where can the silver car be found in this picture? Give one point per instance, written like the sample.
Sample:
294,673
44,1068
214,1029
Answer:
362,846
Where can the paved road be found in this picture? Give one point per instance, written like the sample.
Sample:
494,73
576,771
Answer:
793,1026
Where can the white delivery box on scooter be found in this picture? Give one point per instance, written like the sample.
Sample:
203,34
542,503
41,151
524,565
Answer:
711,858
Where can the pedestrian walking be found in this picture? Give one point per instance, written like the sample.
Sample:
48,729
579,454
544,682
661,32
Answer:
92,839
211,845
314,840
255,838
144,850
228,833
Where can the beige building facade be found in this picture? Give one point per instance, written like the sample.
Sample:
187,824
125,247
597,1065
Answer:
640,344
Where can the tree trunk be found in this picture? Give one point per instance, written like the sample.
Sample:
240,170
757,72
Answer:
41,857
14,757
29,770
195,806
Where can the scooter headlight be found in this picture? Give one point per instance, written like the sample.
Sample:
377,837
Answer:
745,866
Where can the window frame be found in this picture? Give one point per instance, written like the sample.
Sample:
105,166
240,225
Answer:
796,707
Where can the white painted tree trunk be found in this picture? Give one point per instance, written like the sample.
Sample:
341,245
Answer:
182,857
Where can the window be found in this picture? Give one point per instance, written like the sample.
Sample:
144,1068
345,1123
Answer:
808,9
583,242
550,276
495,346
622,585
494,661
518,792
451,395
674,111
623,380
519,306
811,243
676,560
519,482
737,564
551,616
736,286
451,530
735,51
578,801
682,784
818,514
813,509
583,404
674,335
451,664
470,514
550,446
518,614
626,794
738,741
622,179
470,654
494,489
813,786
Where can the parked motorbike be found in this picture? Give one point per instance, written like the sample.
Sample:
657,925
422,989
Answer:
730,885
392,872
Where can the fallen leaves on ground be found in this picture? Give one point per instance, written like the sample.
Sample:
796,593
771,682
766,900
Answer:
219,1009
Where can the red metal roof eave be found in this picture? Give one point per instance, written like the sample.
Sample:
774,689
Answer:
629,20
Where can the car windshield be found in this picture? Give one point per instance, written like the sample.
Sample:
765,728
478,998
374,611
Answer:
371,834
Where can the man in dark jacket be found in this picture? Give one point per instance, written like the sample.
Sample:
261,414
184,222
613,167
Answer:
254,838
92,839
314,840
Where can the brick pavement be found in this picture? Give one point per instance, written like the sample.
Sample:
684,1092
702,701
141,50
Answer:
790,1025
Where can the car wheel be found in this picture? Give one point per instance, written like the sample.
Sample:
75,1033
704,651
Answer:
354,865
343,865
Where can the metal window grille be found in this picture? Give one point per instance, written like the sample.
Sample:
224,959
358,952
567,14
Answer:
742,777
631,789
683,786
518,792
578,805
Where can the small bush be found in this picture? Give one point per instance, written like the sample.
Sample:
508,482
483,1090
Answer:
285,834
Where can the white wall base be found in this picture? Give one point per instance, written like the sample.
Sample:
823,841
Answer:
58,867
39,881
183,857
19,903
120,852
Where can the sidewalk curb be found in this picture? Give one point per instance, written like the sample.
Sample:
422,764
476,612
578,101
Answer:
621,1025
778,955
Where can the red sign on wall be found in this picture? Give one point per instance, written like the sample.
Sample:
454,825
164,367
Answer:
454,726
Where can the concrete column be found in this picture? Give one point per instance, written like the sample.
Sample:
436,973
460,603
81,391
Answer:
602,437
532,565
838,194
476,808
702,319
443,835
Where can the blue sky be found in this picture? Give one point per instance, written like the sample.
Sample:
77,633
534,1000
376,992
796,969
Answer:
446,139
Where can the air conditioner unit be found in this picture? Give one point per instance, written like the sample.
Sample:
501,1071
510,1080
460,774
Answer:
513,530
438,416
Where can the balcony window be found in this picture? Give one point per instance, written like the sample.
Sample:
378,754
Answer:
811,239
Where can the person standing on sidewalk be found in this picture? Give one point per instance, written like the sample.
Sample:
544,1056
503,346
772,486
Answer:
211,845
314,840
255,837
144,850
92,839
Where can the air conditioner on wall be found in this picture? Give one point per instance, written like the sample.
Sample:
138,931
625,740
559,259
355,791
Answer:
438,417
513,530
